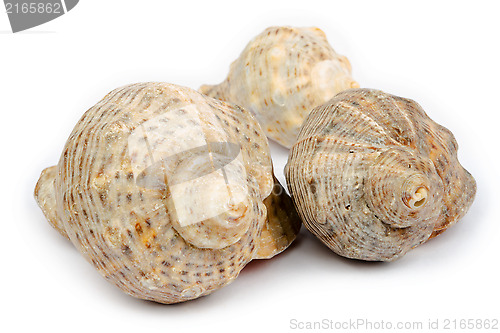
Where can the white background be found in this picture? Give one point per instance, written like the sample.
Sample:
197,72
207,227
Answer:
445,55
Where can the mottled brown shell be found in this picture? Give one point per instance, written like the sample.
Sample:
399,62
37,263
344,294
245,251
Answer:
372,176
162,189
281,75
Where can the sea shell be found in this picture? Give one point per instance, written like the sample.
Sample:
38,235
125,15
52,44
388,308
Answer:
164,191
372,176
281,75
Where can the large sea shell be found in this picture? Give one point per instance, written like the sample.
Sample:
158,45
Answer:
164,190
281,75
372,176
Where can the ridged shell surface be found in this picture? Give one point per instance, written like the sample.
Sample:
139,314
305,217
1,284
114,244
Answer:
162,189
281,75
372,176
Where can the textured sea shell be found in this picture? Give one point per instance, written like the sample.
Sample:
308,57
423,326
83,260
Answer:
164,190
372,176
281,75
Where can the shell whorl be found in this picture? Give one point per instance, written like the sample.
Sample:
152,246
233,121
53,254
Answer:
403,190
162,189
366,177
281,75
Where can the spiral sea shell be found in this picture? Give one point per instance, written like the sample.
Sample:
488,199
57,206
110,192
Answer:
281,75
164,190
372,176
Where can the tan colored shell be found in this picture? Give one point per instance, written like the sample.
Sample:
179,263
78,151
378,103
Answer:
281,75
372,176
162,189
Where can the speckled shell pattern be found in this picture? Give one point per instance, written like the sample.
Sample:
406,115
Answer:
147,211
372,176
281,75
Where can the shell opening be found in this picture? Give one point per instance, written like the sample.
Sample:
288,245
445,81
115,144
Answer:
419,203
417,199
420,196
